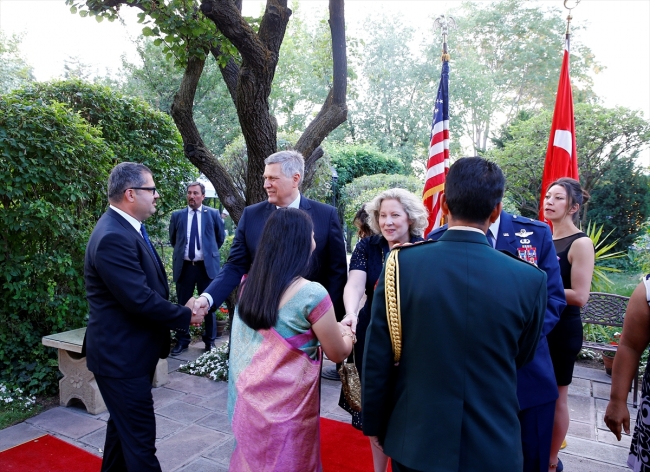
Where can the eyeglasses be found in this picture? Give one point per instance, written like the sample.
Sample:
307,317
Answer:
151,189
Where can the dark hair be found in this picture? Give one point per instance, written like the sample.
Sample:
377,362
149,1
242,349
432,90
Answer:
123,176
361,222
474,186
282,256
194,184
575,194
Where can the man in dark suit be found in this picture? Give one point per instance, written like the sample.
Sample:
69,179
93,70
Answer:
328,265
458,413
130,317
531,241
196,233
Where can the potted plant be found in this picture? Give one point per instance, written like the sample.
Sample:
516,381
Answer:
222,319
608,356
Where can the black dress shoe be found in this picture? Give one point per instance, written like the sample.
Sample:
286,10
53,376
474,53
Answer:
209,347
179,348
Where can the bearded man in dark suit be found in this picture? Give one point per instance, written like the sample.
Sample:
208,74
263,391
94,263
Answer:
130,317
328,264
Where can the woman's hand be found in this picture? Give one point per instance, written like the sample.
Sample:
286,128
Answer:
350,320
616,415
347,332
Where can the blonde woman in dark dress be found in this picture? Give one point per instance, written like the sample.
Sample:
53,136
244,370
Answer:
396,216
576,255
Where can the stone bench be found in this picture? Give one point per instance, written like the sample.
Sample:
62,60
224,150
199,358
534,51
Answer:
78,382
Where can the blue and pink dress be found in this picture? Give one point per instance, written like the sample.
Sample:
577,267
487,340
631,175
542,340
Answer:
273,388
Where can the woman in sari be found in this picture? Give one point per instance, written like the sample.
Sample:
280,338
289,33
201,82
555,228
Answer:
281,323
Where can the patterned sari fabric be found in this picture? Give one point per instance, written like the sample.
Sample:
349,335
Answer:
273,388
639,458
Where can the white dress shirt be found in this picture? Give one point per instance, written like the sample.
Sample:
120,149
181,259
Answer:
198,253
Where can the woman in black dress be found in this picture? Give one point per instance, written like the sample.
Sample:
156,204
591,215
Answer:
576,255
398,217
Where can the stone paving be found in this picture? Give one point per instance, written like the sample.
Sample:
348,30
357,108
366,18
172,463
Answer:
193,432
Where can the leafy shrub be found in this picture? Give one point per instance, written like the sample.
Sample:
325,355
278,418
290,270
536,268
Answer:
55,165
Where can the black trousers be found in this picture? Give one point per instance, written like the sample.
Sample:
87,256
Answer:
131,429
195,275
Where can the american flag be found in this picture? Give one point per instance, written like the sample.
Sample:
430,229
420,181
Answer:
438,164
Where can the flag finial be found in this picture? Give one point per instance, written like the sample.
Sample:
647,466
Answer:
569,17
444,23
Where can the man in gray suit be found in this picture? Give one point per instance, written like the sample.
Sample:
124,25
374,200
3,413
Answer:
196,233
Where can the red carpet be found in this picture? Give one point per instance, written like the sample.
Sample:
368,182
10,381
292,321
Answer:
48,454
344,448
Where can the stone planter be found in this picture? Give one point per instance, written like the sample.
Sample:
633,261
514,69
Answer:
221,327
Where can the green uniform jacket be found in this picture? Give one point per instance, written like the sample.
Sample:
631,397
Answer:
471,316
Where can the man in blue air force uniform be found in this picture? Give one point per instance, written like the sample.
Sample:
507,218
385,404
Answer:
531,241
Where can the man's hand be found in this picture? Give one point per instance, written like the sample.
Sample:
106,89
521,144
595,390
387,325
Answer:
201,306
350,320
197,314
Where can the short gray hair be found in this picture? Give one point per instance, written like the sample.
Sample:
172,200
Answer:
291,162
413,206
123,176
194,184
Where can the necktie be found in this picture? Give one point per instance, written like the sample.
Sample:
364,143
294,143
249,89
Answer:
194,237
143,230
491,239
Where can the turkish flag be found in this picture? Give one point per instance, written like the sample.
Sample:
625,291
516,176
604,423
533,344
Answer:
561,155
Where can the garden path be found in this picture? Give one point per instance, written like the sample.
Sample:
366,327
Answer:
194,435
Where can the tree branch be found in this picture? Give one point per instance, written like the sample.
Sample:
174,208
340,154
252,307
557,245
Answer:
228,19
334,110
195,149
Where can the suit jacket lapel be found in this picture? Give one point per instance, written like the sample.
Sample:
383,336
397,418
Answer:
140,239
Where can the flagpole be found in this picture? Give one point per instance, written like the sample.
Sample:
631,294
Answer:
568,22
561,153
438,161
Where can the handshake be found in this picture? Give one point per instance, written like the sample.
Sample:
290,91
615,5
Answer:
199,307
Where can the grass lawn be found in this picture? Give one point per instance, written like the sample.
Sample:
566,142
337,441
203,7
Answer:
623,283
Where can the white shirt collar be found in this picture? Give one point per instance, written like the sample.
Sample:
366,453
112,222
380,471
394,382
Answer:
467,228
293,204
135,223
494,228
190,209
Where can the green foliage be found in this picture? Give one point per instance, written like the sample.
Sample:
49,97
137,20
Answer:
58,143
14,70
599,281
156,80
224,250
177,26
620,201
54,165
507,56
606,138
352,161
364,189
134,132
395,105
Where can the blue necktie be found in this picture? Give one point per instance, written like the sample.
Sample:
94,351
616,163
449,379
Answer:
194,237
492,240
143,230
